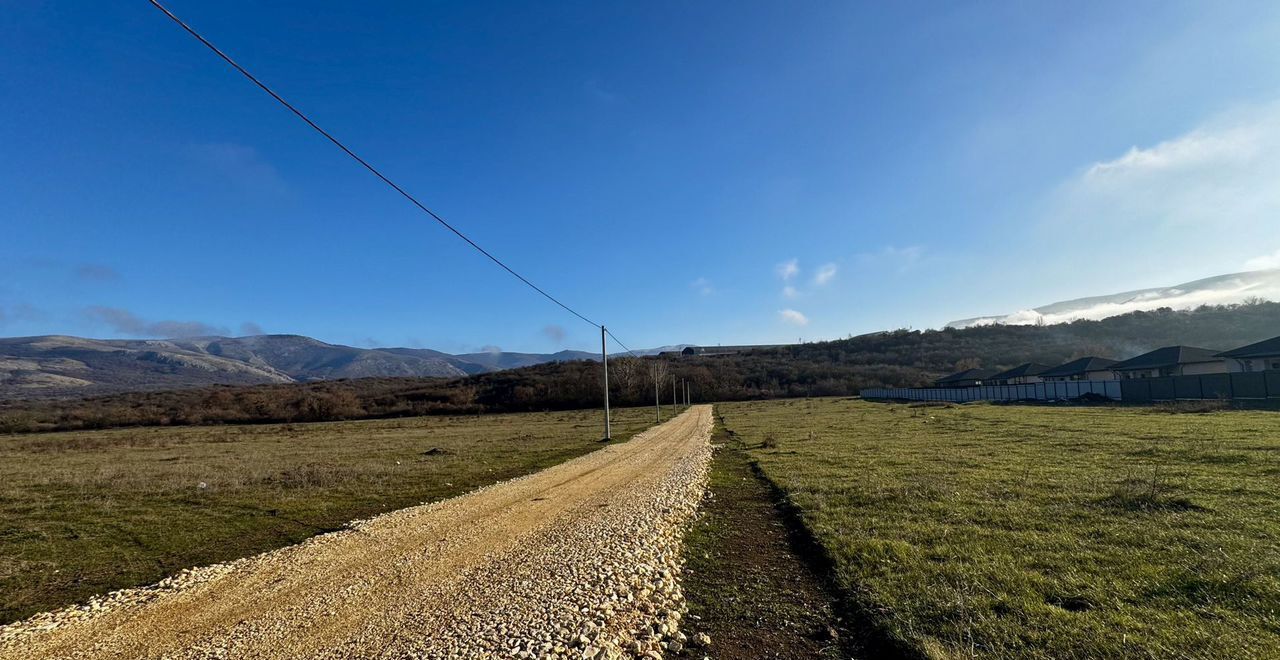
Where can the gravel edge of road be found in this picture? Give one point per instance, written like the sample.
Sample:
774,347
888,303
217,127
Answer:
639,617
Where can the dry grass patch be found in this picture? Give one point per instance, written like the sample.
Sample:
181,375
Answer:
89,511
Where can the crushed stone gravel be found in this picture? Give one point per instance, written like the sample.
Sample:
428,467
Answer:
581,560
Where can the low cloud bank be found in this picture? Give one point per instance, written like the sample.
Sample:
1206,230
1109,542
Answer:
1222,290
125,322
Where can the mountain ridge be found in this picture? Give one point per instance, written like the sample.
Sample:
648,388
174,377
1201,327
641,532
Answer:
64,365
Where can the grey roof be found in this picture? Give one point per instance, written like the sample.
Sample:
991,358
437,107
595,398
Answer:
1078,366
968,374
1168,356
1024,369
713,350
1266,347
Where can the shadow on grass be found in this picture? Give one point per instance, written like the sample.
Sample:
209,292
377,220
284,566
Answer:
1145,496
864,636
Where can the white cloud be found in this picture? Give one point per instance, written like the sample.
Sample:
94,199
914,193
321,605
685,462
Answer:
1264,262
825,274
703,286
1193,196
241,165
1199,148
597,92
793,317
789,291
788,270
892,258
1199,202
1222,290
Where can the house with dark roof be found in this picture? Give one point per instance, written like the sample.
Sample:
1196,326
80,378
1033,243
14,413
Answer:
1085,368
966,378
1171,361
704,351
1023,374
1260,356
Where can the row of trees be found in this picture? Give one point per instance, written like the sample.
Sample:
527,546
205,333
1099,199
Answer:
902,358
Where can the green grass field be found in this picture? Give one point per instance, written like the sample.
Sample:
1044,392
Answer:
1024,531
82,513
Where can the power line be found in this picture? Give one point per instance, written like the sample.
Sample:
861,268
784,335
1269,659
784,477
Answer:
624,346
366,165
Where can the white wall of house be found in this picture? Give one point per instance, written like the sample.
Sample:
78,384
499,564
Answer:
1197,368
1016,380
1264,363
1194,369
1100,374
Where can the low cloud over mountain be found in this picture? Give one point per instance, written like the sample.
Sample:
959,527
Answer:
1220,290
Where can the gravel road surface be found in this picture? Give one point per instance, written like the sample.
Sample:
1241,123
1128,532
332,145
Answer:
579,560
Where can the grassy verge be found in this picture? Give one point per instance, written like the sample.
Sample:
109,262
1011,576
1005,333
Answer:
1001,531
748,584
90,511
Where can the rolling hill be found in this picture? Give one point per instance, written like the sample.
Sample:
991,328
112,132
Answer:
898,358
57,365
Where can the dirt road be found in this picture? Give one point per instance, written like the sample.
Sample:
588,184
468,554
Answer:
576,561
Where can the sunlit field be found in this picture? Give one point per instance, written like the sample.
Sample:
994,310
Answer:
82,513
1022,531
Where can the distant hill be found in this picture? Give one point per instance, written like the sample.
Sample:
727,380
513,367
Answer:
1219,290
903,358
498,361
57,366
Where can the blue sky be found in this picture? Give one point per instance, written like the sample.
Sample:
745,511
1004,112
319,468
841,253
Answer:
685,172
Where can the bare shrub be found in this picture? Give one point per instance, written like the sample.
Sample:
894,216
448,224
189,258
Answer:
1200,406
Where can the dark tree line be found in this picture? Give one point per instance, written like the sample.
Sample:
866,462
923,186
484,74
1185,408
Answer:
900,358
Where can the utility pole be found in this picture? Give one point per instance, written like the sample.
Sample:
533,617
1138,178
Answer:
657,405
675,403
686,393
604,359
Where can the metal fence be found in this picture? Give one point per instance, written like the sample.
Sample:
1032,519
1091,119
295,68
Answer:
1257,385
1048,391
